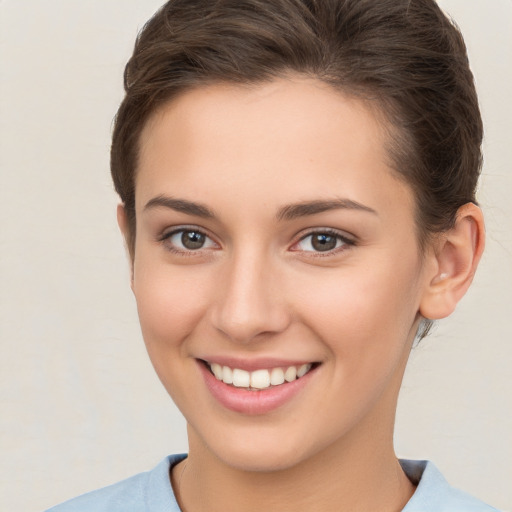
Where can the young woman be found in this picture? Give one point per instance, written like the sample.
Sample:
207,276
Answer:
298,200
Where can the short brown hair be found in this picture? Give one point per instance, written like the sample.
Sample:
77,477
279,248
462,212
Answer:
405,56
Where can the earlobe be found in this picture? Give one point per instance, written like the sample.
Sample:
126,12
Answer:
456,255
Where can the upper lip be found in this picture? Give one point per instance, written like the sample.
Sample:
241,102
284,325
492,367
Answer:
254,364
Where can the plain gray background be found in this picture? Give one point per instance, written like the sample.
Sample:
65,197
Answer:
80,404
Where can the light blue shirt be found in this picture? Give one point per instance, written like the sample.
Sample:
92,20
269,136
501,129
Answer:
152,492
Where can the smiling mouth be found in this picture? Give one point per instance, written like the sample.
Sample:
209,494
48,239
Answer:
259,379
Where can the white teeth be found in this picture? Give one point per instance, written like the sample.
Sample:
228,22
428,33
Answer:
241,378
258,379
276,376
303,370
290,374
227,375
217,370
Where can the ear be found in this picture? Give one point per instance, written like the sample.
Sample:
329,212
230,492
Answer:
122,222
455,256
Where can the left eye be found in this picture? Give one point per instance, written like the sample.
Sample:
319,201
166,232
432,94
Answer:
189,240
321,242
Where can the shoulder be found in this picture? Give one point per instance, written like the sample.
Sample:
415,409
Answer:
146,492
435,494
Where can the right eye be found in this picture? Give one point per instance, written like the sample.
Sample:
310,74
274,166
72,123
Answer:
187,240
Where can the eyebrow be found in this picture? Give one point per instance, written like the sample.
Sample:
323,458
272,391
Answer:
180,205
293,211
287,212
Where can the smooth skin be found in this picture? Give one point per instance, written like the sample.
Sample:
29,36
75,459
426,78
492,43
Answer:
235,190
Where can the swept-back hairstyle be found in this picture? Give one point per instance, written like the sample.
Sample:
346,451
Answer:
404,57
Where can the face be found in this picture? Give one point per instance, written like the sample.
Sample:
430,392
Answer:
276,270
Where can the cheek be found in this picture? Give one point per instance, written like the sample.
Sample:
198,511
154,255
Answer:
365,321
365,306
170,303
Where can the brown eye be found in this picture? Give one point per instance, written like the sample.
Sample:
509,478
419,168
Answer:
187,240
192,240
323,242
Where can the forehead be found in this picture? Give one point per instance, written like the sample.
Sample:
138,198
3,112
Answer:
284,106
290,137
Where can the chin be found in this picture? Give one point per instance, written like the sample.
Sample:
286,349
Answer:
252,459
259,451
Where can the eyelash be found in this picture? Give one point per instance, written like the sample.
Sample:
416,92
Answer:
166,237
345,241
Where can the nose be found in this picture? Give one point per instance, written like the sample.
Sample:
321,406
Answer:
249,301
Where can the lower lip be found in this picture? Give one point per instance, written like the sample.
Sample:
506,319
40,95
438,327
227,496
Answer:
252,402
